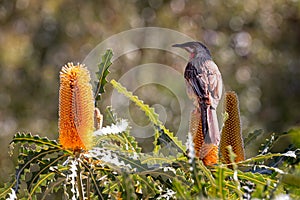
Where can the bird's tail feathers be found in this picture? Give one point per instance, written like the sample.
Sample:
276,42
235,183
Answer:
204,150
213,127
204,120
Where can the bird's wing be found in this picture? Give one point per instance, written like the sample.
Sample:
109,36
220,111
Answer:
214,82
196,80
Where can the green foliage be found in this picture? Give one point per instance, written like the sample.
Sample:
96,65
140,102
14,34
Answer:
102,73
37,157
117,168
161,132
252,136
294,136
124,139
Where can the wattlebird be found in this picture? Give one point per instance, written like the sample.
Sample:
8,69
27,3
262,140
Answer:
204,86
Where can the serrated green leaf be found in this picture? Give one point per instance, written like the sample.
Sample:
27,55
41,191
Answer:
150,113
156,160
128,191
6,189
23,170
130,143
220,181
267,156
53,187
127,142
207,173
28,138
102,73
44,168
181,191
145,185
111,116
256,178
156,145
168,138
123,142
252,136
119,160
43,181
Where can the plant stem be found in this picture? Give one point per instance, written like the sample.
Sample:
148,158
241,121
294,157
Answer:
79,182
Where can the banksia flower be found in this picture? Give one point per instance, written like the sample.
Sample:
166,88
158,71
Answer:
208,153
196,131
76,108
211,156
231,131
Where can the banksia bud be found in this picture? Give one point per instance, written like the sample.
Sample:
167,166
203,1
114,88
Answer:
231,132
208,153
76,108
196,131
98,119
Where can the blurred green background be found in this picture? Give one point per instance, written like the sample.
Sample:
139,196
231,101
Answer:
255,43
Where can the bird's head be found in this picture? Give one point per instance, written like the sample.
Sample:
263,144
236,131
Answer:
194,48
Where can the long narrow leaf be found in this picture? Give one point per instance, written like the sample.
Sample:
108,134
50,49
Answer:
150,113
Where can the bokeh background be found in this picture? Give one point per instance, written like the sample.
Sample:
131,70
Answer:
255,43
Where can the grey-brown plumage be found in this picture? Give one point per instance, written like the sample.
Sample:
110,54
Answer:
204,86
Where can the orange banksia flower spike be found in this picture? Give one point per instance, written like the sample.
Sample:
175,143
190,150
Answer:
231,131
76,108
196,131
208,153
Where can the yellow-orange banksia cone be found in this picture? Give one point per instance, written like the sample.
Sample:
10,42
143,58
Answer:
231,132
208,153
76,108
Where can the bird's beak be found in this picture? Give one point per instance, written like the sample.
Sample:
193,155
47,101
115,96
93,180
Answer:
178,45
187,46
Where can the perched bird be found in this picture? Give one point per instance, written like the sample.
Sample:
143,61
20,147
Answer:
204,86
